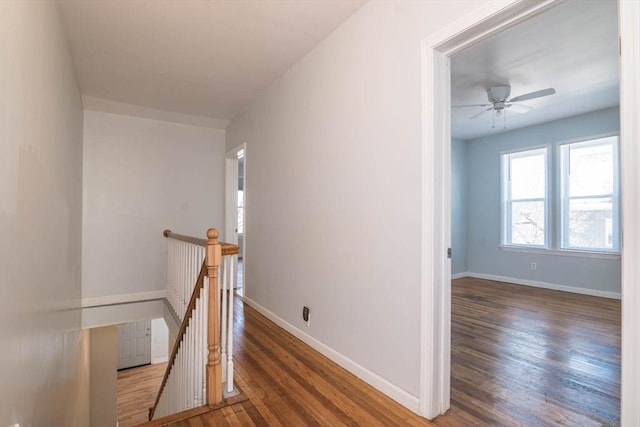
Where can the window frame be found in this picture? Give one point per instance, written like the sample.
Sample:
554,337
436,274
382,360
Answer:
507,200
564,199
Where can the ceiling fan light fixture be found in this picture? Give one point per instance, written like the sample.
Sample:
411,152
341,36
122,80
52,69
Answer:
499,101
498,93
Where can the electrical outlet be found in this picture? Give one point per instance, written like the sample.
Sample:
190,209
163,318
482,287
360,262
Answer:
534,265
305,314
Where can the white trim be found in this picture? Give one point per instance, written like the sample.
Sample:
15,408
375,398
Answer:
506,197
115,314
231,195
122,298
543,285
231,176
459,275
561,252
394,392
629,17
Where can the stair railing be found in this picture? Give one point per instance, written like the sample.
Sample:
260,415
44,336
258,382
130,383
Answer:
202,356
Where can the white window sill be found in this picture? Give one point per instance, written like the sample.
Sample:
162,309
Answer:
561,252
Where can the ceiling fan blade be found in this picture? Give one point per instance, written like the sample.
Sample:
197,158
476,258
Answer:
533,95
481,113
519,108
471,105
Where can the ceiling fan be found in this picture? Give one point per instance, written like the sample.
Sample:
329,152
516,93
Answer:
499,100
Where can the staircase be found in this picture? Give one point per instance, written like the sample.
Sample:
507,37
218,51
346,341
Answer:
200,290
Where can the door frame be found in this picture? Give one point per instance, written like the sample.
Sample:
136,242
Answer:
231,201
435,300
231,191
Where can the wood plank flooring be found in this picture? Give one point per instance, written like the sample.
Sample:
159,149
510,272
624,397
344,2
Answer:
520,357
534,357
136,392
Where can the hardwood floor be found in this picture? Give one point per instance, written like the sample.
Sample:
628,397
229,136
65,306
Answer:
529,356
520,357
136,392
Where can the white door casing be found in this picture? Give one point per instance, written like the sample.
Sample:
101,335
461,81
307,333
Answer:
231,197
435,360
231,206
629,23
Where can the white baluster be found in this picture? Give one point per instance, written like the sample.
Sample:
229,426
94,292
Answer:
199,361
189,364
185,270
205,314
181,380
179,280
170,265
185,278
196,355
232,276
192,365
223,316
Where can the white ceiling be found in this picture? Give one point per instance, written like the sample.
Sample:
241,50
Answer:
572,47
199,57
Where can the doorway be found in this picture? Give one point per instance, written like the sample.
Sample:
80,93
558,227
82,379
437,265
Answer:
436,304
235,201
134,344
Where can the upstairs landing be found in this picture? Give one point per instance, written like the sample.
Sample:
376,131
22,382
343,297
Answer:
284,382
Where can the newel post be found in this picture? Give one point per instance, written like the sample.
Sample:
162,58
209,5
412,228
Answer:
214,370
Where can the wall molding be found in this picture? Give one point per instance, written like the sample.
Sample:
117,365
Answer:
391,390
122,298
102,105
155,360
115,314
537,284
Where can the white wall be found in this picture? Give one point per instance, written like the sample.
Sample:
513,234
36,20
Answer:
159,341
333,191
43,357
142,176
103,390
484,256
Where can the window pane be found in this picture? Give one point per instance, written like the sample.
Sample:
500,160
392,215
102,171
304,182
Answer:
528,176
591,223
591,170
527,223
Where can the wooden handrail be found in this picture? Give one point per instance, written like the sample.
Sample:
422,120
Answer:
181,333
227,248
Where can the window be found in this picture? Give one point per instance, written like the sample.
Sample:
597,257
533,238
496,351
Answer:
525,197
565,198
589,176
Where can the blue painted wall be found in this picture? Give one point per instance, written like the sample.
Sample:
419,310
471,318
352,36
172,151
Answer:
483,253
458,206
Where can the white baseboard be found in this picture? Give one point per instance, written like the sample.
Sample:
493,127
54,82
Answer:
122,298
460,275
162,359
544,285
408,400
